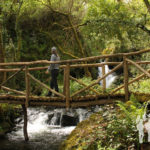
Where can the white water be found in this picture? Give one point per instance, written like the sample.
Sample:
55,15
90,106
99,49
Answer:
37,124
109,79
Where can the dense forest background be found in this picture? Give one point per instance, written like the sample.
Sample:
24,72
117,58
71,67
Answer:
78,28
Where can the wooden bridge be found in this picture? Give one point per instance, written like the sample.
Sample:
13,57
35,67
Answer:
65,99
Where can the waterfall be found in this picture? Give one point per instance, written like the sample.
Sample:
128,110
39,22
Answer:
109,79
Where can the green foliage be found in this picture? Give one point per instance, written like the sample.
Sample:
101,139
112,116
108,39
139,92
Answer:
122,127
142,86
111,24
132,109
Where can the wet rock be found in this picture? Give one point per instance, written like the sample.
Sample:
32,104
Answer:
67,120
6,126
50,116
56,118
18,120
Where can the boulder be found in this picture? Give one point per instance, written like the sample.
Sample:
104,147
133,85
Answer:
67,120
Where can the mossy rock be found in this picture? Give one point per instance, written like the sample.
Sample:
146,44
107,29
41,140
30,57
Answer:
5,127
2,133
77,139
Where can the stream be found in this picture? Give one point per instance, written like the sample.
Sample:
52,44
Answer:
47,128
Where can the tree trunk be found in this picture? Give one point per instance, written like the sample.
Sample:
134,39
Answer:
82,51
18,33
1,55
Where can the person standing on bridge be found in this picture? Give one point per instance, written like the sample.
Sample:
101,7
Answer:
54,70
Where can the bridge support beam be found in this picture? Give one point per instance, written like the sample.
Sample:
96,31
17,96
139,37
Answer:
126,89
27,82
104,80
25,123
67,85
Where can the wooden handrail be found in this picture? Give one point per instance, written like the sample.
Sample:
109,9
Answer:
63,66
92,58
73,66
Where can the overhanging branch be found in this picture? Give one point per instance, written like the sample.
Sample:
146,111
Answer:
143,28
147,5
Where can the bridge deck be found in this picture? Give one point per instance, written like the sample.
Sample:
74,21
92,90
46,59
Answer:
80,101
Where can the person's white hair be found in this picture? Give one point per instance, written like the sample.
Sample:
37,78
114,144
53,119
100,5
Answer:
53,49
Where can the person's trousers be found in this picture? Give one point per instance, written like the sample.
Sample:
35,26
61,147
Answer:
53,82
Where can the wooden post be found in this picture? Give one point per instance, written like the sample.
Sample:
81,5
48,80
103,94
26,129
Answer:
67,85
25,123
64,89
27,86
125,63
104,80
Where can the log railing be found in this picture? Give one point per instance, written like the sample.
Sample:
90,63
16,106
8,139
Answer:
66,65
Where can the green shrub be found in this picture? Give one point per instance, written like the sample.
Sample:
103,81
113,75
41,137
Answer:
142,86
121,131
75,86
